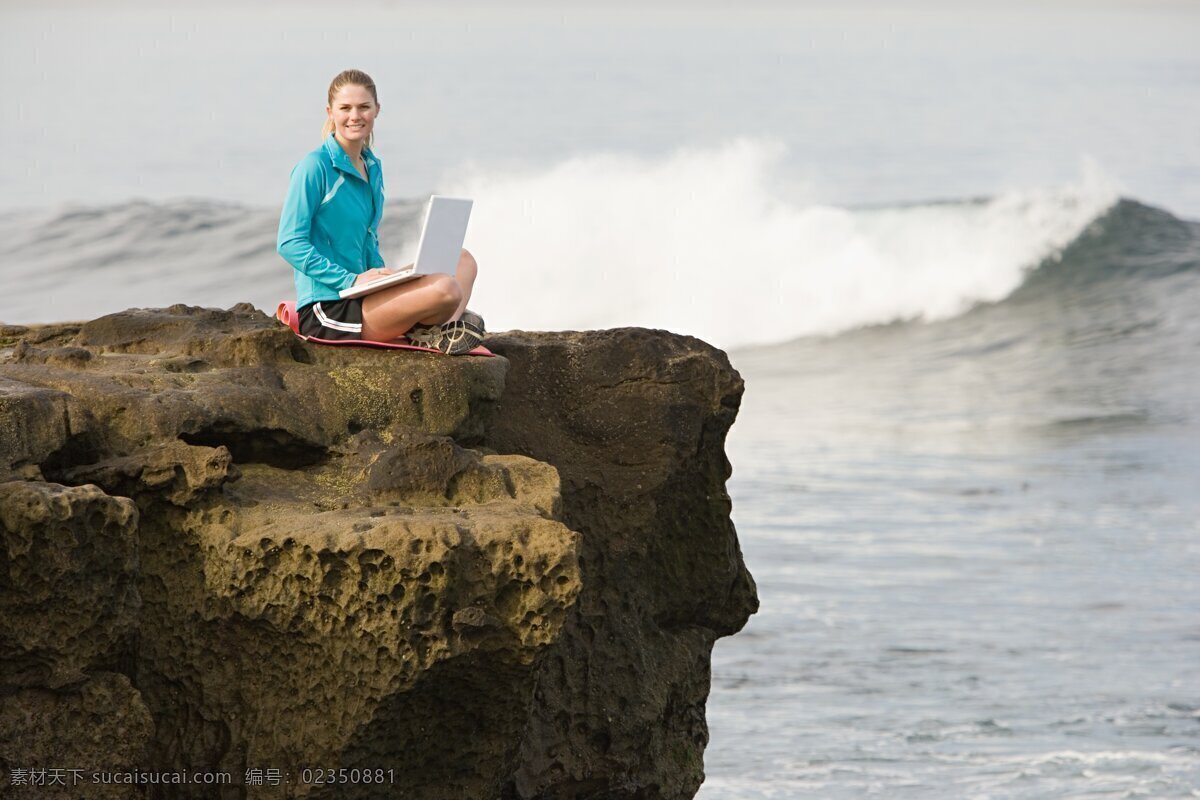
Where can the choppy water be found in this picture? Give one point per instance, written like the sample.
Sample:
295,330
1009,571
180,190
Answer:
978,544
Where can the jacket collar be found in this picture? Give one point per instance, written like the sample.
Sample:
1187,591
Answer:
342,161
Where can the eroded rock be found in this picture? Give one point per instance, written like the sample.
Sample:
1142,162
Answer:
635,423
491,577
176,471
68,599
79,738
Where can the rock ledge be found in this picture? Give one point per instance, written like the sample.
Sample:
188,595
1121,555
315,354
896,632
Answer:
225,549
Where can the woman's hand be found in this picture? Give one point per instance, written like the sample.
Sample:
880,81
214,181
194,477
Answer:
372,275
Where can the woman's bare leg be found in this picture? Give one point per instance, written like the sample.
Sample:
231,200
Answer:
389,314
465,274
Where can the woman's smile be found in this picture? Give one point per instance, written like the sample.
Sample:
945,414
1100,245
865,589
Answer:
353,110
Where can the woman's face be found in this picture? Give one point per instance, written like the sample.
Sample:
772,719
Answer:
353,113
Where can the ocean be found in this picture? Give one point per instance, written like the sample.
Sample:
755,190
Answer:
954,252
977,543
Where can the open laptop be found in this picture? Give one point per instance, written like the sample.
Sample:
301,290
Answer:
438,250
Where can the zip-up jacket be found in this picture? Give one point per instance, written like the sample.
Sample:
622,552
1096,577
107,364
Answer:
328,230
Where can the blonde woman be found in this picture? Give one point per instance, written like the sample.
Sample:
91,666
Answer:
329,233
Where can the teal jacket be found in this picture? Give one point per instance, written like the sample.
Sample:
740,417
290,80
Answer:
329,228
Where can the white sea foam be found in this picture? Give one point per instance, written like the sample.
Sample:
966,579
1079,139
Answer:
700,242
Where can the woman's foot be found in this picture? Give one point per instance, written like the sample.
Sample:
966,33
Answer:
452,338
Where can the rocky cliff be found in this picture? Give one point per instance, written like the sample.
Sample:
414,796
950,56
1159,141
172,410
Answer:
272,569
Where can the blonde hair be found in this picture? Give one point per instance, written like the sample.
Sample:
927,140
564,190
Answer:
350,77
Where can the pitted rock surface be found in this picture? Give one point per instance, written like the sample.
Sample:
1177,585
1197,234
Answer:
481,577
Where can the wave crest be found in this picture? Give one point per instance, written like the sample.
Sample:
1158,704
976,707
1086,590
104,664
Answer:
701,243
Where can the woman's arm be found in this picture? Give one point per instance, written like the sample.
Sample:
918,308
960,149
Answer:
305,193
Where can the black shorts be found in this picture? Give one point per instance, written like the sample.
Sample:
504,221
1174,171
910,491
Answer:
332,319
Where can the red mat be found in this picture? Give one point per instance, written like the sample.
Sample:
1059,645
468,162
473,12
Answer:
286,313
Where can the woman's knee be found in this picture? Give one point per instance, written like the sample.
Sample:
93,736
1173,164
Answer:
467,265
448,291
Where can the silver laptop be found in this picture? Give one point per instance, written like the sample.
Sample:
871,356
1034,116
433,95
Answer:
438,250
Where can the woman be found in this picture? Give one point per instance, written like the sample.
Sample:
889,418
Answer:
328,232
